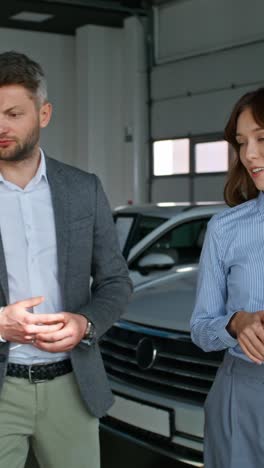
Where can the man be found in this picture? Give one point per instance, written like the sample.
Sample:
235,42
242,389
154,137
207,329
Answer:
56,233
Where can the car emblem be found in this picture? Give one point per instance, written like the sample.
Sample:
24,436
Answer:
146,353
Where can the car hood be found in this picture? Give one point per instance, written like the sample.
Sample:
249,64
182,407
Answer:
165,302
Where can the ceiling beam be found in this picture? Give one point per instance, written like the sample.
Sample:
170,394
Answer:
163,2
114,6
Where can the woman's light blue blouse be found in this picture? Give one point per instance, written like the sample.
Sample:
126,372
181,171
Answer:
231,275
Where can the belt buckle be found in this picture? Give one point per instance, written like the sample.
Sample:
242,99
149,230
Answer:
31,378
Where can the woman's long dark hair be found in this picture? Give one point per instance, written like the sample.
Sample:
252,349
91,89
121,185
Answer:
239,186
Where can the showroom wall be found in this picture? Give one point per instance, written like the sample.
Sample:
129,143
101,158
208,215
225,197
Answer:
207,54
96,82
205,58
112,109
56,53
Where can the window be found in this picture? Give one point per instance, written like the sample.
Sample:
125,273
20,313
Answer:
211,157
189,163
198,155
183,243
171,157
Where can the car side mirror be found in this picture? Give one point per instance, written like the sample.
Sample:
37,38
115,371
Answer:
156,261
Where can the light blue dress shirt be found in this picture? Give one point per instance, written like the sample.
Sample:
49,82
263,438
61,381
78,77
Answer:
29,240
231,275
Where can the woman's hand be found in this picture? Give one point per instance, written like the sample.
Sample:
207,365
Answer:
248,328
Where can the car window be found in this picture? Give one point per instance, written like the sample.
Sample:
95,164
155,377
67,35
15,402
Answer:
183,243
123,226
144,226
132,228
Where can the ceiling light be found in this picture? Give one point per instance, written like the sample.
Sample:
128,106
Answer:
31,17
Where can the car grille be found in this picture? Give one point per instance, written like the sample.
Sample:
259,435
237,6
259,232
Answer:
158,360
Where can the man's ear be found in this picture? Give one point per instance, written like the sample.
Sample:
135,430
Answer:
45,114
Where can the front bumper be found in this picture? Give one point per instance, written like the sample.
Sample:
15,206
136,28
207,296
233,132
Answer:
172,428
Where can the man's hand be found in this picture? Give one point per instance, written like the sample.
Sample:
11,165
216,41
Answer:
20,326
65,339
248,328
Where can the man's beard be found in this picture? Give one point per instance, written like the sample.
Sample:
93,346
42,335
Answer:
23,150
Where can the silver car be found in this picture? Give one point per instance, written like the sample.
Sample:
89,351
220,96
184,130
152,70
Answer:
176,240
160,378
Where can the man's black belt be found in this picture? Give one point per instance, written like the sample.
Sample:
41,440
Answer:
37,373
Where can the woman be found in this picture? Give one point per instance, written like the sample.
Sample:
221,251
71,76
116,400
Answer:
229,310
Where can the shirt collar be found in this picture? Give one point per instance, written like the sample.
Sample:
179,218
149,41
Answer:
40,174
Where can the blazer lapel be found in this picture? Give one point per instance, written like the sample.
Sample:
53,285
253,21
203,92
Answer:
59,193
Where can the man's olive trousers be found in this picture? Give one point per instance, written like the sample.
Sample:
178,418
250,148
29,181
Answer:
53,419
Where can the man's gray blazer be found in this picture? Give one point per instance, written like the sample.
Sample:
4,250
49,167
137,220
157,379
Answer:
86,246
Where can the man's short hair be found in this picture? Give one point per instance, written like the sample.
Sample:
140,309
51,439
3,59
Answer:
17,68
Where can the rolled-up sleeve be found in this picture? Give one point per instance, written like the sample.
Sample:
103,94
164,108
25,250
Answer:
210,318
